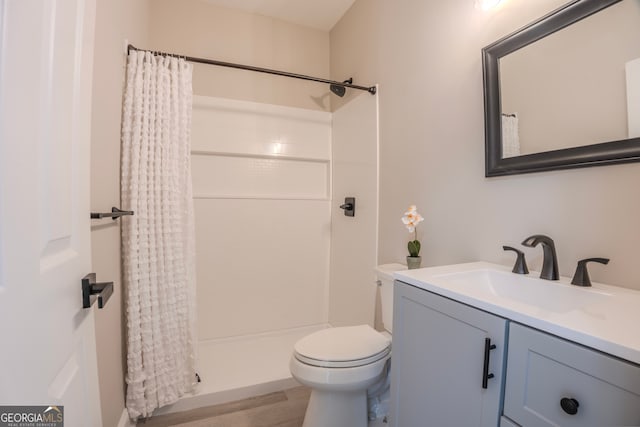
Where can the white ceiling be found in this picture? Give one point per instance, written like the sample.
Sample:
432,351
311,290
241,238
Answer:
320,14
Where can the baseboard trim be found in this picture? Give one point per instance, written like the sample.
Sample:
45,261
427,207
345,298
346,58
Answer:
125,421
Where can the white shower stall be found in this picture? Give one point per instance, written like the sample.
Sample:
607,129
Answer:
276,258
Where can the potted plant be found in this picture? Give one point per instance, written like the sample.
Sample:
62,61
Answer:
411,219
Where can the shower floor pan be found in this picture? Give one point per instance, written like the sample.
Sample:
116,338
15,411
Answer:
242,367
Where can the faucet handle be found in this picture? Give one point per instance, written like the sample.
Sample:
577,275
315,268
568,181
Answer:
581,276
520,266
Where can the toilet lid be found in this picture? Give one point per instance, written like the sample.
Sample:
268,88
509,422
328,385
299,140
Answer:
343,347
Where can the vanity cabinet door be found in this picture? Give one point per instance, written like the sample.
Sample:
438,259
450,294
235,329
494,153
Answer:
438,362
542,370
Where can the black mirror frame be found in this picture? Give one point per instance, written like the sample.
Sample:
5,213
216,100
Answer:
606,153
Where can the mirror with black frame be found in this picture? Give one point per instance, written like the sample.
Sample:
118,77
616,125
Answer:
564,91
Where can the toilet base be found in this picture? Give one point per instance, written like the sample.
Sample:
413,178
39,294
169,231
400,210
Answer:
336,409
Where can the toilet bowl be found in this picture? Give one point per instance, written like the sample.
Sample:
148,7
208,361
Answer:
340,364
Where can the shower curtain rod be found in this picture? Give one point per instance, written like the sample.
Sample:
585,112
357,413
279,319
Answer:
371,89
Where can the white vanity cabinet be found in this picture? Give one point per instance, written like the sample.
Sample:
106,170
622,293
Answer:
440,348
572,354
542,370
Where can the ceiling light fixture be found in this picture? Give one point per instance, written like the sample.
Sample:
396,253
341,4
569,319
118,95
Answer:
486,4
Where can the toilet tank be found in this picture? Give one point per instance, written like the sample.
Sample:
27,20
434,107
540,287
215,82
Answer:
385,278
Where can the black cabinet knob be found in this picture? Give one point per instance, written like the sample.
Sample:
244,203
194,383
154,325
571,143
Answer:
569,405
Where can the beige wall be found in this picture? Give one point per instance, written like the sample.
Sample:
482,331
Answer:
426,58
116,20
196,28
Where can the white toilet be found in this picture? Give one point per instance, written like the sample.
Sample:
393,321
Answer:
340,364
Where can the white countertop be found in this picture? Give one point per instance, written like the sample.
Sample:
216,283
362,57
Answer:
608,320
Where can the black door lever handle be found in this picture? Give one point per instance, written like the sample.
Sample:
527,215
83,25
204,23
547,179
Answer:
92,291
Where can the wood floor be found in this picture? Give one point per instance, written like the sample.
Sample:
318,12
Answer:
280,409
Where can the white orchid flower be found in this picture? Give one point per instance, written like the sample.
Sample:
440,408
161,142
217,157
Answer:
412,218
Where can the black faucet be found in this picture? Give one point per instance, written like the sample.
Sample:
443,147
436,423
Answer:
550,260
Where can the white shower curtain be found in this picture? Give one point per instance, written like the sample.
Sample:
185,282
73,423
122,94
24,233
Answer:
158,241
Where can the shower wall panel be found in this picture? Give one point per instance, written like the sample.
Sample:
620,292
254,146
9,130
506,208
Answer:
354,240
240,127
261,176
258,177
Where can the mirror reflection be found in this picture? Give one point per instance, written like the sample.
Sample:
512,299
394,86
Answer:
578,86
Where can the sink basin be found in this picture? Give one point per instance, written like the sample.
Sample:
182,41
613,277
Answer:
542,294
603,317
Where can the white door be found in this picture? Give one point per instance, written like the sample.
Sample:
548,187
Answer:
47,340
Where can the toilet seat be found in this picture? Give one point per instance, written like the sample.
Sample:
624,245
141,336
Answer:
343,347
342,364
